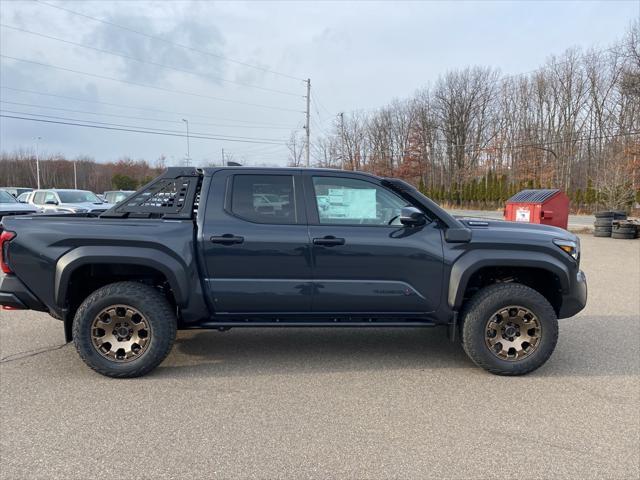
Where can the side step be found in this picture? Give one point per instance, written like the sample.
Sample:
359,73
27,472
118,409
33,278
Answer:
276,323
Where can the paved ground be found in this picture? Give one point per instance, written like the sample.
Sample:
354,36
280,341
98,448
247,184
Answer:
335,403
576,222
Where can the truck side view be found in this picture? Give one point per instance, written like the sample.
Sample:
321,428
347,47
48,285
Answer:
275,247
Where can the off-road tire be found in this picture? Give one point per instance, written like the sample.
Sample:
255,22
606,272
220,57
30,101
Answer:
602,223
623,235
604,215
150,303
602,234
483,305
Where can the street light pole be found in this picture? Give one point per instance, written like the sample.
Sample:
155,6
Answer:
188,161
37,139
75,174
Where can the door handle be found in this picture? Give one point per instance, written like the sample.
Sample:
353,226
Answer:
226,239
328,241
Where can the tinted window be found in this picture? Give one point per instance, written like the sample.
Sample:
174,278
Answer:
347,201
6,197
264,198
78,196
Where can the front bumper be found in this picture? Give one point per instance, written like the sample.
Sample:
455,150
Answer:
14,294
576,298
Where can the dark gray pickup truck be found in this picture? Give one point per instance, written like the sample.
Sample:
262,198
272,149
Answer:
246,247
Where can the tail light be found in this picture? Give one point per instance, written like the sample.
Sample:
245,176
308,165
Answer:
5,238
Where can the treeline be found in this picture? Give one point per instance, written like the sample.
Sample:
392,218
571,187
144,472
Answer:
19,170
475,137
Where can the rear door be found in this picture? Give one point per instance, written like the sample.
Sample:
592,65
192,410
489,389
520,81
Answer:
256,244
364,260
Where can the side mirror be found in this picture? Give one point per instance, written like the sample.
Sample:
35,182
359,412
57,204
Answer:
51,202
412,217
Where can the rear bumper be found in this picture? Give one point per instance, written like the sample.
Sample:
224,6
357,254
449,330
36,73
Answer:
576,299
14,294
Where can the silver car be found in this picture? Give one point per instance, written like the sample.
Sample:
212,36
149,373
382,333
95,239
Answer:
11,206
69,201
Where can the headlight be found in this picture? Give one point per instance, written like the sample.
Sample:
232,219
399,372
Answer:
570,247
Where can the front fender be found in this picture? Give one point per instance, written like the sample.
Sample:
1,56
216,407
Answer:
172,269
469,263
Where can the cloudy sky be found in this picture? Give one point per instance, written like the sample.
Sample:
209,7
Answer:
235,70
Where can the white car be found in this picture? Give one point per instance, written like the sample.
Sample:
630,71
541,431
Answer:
69,201
25,197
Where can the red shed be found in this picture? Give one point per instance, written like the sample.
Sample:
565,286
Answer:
546,206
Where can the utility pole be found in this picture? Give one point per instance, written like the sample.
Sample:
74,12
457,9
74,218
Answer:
341,115
306,147
187,161
37,139
223,156
75,174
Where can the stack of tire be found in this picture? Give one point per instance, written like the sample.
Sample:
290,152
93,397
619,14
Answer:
624,229
603,226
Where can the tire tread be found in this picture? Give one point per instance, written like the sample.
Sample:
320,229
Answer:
156,306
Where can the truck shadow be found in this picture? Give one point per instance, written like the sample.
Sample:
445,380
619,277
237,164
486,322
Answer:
588,346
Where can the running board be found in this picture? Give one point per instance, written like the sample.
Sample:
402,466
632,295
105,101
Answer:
276,323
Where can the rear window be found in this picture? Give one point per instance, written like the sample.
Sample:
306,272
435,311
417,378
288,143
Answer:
264,198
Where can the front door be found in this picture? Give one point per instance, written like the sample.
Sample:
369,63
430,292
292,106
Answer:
364,259
256,244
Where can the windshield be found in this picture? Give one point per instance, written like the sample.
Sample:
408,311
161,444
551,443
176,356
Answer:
115,197
78,196
6,197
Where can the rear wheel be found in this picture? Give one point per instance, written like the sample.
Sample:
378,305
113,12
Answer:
124,329
509,329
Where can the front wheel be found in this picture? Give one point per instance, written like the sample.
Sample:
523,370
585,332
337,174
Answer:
509,329
124,329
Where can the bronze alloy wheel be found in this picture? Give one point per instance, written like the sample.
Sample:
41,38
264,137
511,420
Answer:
120,333
513,333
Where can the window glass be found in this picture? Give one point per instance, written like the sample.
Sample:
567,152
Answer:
50,197
77,196
38,198
347,201
6,197
264,198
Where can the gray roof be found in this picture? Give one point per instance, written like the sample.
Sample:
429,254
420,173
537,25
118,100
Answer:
533,196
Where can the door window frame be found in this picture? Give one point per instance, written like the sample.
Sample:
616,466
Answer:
312,204
298,197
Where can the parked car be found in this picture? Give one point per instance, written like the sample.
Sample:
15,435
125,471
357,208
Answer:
11,206
195,249
69,201
16,191
25,197
116,196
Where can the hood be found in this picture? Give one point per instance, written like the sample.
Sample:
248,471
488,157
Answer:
503,230
17,207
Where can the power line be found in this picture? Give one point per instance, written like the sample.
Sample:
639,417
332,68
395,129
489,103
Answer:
136,130
130,107
130,117
146,85
521,145
161,39
132,126
110,52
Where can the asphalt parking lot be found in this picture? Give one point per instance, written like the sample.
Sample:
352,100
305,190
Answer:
334,403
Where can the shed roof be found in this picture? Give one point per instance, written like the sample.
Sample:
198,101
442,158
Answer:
534,196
